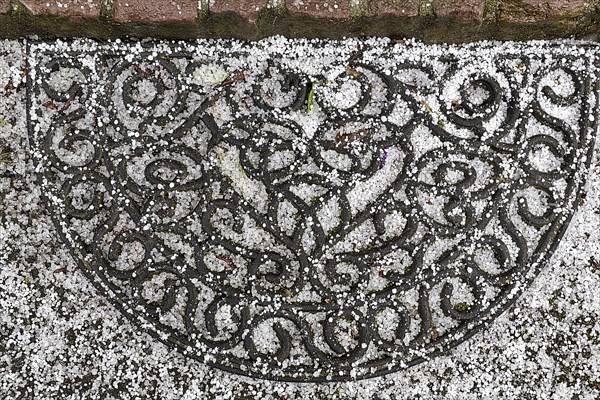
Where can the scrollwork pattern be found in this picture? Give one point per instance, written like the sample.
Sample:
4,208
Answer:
304,222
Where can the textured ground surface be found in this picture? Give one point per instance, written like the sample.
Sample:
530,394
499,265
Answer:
429,20
60,338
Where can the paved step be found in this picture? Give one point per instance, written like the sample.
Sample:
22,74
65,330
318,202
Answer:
430,20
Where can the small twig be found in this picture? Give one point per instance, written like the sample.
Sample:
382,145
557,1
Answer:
342,140
226,260
354,73
235,77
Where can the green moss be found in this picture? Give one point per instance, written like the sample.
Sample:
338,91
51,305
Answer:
277,21
426,9
309,100
6,156
358,8
490,12
107,9
461,307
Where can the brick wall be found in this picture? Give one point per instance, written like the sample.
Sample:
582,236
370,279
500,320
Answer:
429,20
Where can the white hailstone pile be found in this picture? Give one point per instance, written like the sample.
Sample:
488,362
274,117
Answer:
60,339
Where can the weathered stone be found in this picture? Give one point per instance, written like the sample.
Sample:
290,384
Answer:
325,9
150,11
247,10
530,11
4,6
468,10
65,8
397,8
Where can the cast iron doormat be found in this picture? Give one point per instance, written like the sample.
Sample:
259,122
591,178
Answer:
311,210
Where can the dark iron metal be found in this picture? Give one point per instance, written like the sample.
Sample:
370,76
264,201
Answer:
139,189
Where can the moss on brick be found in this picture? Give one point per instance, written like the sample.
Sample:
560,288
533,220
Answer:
20,22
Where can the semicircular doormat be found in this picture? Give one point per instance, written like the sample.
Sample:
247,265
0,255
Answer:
311,210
